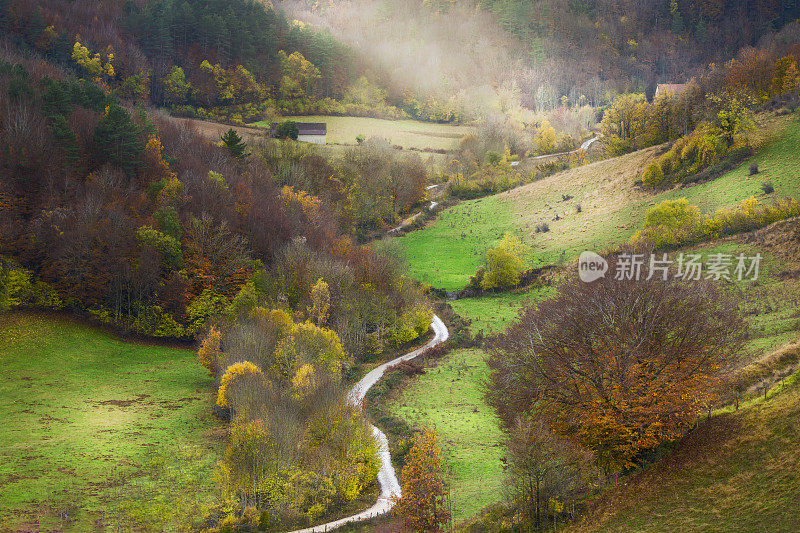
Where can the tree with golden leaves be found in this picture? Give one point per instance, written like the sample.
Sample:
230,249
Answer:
243,371
504,263
422,505
320,303
209,351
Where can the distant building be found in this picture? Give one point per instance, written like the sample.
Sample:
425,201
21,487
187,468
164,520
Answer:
310,132
669,88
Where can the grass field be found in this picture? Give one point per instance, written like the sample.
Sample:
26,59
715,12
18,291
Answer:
449,398
446,253
495,313
99,433
405,133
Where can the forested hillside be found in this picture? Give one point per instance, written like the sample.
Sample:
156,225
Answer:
235,59
634,43
487,54
112,211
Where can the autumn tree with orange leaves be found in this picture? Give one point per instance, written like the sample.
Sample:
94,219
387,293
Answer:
617,366
422,505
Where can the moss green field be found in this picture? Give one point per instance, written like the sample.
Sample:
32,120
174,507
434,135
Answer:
406,133
100,432
612,209
449,398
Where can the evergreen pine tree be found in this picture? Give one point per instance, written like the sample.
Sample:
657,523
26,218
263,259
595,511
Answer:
116,139
234,143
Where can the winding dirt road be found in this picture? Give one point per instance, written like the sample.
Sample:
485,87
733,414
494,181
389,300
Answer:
387,478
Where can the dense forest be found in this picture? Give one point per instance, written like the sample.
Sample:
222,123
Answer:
636,44
238,60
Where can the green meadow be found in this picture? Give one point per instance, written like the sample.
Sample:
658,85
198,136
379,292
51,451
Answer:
99,433
449,398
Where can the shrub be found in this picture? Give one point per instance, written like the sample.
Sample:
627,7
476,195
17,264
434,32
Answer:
168,246
653,176
504,264
311,344
748,215
411,324
287,129
21,290
690,155
542,227
205,306
493,158
209,351
753,169
671,224
578,208
674,223
767,187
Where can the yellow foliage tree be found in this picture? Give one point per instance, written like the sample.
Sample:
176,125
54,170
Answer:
422,505
310,344
235,372
320,302
303,381
546,138
209,351
504,264
93,64
299,75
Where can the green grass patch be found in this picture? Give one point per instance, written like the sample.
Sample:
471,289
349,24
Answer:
495,313
98,432
405,133
447,253
449,398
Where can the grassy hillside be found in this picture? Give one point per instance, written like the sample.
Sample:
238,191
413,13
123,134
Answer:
450,398
445,254
736,472
99,432
494,313
406,133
